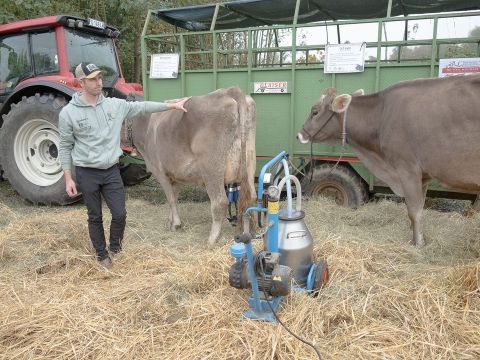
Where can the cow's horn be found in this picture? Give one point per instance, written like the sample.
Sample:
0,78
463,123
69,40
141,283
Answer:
358,92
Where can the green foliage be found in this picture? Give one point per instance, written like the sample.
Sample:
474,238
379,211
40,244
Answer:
446,51
463,50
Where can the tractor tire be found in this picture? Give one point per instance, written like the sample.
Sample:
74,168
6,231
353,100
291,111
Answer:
340,183
29,141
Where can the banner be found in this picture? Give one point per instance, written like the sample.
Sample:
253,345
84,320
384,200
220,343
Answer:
458,66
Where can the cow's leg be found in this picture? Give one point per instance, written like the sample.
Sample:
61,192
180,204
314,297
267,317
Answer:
174,218
218,207
415,199
474,207
171,193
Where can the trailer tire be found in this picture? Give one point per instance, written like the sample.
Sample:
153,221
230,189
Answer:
340,183
29,150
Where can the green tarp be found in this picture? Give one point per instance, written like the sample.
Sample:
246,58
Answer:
249,13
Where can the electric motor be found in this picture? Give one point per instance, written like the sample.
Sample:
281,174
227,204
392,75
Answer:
273,279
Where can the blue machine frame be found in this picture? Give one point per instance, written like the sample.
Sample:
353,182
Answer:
265,309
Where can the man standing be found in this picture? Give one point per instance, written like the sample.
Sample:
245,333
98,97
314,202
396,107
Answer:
90,126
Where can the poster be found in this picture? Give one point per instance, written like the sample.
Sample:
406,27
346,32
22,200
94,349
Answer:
164,66
458,66
344,58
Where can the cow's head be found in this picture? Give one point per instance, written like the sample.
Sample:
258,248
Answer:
323,123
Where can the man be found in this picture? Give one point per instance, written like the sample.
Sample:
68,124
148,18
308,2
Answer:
90,126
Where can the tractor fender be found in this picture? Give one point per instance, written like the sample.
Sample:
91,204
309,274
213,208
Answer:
30,89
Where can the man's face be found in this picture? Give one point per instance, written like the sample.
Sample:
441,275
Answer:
93,86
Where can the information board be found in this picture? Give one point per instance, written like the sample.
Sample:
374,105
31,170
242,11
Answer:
164,66
344,58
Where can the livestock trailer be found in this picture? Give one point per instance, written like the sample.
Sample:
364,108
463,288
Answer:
284,53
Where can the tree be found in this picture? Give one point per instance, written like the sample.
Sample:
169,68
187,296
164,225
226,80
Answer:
462,50
445,51
312,59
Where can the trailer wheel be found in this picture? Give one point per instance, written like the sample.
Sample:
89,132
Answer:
29,149
340,183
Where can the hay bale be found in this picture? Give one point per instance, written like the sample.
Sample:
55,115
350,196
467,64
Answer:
168,295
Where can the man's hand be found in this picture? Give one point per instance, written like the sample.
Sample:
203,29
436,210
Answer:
179,104
70,186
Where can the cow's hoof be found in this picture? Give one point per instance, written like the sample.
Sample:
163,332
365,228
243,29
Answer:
470,212
233,221
175,227
419,243
211,243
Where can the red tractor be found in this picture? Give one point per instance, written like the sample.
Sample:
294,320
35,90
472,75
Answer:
37,61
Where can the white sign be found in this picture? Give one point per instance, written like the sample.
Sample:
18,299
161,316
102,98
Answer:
164,66
458,66
96,23
269,87
344,58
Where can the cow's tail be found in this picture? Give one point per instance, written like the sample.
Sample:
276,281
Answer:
246,109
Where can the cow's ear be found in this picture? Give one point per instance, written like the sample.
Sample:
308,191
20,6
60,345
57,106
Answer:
341,102
358,92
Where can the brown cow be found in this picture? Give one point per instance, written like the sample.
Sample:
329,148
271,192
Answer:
211,145
408,134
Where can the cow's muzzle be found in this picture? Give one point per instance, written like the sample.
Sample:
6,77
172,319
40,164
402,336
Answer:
302,139
309,137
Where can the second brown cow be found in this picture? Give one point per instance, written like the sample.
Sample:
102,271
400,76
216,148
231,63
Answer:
407,135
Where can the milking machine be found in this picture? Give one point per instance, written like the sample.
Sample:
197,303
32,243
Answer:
286,262
232,191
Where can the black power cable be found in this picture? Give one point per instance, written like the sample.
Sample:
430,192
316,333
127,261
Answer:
278,319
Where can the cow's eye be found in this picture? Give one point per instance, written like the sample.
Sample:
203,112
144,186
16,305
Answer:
315,113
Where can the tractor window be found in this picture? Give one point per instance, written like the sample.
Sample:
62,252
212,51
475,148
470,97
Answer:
44,53
93,48
15,62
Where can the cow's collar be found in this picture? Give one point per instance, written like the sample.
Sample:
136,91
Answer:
343,119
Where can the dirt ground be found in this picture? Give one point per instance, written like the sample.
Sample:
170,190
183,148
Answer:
168,295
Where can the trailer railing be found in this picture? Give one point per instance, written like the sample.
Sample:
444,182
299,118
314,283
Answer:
397,48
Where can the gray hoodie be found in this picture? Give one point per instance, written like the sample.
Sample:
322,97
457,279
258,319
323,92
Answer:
90,136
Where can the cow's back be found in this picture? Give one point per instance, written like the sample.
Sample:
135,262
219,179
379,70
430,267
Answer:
435,123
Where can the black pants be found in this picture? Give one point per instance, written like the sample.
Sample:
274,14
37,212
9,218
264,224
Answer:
95,183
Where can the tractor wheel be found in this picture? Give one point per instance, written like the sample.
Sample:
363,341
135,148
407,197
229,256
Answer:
340,183
29,150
